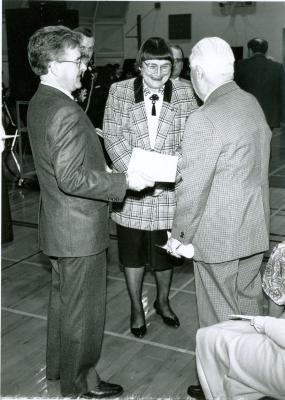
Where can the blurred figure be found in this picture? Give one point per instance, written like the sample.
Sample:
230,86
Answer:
178,63
273,281
148,112
117,75
223,200
74,213
92,95
265,79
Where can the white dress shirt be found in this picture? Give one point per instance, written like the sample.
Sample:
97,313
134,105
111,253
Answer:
152,120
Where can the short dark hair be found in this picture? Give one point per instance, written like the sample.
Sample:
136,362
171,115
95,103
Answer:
258,45
177,47
48,44
154,48
84,31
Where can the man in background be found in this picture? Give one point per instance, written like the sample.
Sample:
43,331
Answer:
92,95
223,200
74,213
178,64
265,79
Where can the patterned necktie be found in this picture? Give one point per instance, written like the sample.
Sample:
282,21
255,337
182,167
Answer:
153,99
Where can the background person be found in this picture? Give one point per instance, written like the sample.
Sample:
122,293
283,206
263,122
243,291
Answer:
178,62
143,219
73,219
265,79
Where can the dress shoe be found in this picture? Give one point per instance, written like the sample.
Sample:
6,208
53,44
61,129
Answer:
170,321
104,389
196,392
139,332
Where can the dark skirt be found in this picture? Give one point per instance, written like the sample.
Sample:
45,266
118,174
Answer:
138,248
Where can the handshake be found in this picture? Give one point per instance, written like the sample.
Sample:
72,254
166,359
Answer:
138,181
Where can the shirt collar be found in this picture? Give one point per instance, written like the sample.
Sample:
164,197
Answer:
58,88
147,91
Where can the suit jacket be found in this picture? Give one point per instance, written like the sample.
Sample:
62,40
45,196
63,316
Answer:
264,79
75,189
125,127
223,201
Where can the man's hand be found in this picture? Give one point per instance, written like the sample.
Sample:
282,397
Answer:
178,249
172,246
137,181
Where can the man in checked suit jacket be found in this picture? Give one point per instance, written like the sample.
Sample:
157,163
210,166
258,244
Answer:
73,220
265,79
223,201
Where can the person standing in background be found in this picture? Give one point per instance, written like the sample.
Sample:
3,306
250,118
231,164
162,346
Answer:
265,79
74,213
178,58
148,112
92,95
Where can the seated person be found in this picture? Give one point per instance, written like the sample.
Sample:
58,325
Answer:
246,360
274,280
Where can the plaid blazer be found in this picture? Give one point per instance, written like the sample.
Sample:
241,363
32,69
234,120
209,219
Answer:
125,127
223,200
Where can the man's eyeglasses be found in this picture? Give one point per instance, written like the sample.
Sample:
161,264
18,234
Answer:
78,62
154,68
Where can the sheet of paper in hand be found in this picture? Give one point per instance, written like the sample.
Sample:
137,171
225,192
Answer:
159,167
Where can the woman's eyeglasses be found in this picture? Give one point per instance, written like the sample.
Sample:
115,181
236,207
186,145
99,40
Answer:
154,68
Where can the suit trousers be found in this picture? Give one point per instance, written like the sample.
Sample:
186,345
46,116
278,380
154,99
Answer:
76,317
231,287
234,362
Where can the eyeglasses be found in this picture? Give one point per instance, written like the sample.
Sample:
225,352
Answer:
78,62
154,68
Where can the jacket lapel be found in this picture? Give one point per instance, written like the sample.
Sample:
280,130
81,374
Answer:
166,117
138,115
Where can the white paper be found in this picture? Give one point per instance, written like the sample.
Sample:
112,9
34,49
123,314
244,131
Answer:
184,250
159,167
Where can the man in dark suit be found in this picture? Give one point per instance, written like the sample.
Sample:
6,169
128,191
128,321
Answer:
265,79
93,93
73,219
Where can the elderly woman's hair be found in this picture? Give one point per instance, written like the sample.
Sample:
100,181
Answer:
49,44
258,45
154,48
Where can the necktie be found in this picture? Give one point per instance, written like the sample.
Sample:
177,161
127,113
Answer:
153,99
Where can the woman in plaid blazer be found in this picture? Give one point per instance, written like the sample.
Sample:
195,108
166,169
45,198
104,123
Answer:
148,112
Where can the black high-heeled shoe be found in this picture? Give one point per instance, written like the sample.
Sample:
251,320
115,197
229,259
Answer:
170,321
139,332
